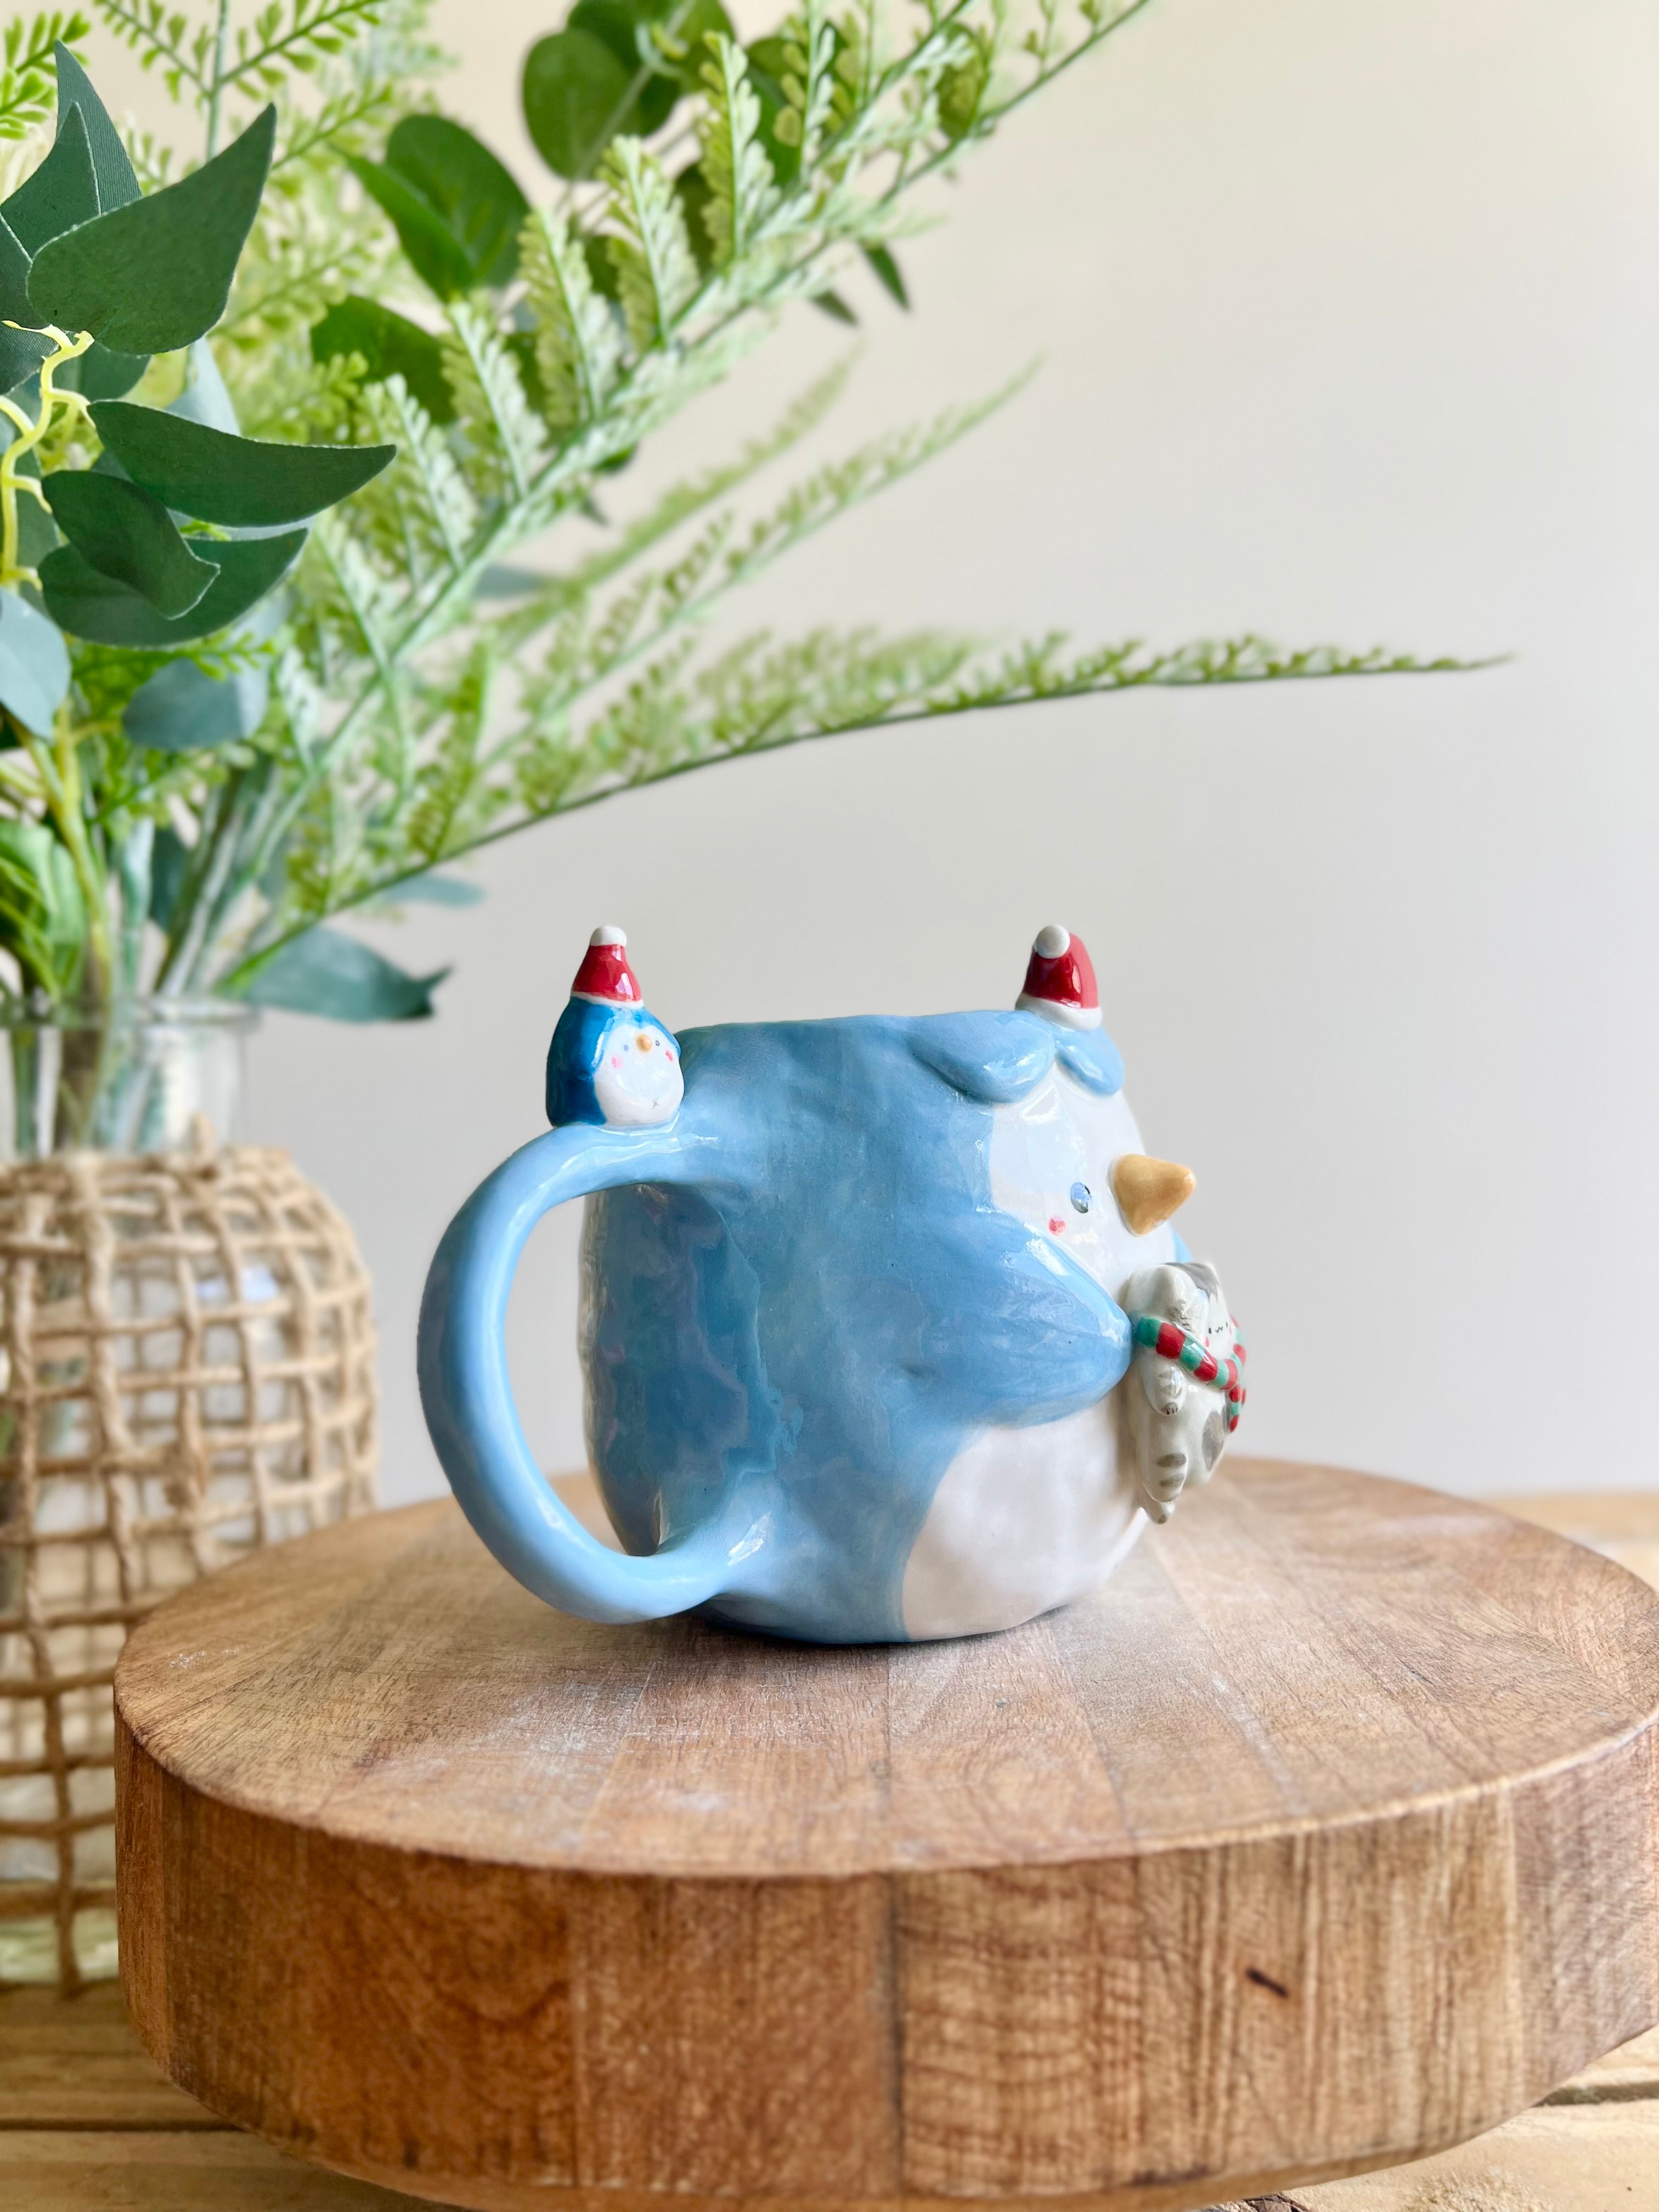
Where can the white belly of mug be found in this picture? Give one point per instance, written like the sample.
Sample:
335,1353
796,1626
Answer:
1024,1519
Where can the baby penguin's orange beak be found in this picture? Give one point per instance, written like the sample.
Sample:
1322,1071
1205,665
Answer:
1148,1191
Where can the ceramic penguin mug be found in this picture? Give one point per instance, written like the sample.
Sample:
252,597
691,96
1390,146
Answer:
885,1330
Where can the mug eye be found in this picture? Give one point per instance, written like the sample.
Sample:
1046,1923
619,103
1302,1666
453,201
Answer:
1080,1196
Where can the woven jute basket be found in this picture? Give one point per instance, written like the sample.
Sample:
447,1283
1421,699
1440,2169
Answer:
186,1371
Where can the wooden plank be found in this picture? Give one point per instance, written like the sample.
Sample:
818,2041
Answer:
1585,2158
71,2170
75,2063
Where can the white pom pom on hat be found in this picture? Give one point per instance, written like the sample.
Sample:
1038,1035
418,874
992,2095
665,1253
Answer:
1059,981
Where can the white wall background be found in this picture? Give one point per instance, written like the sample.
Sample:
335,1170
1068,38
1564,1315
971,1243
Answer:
1350,329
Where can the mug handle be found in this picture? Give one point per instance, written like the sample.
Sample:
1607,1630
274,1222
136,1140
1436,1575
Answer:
467,1395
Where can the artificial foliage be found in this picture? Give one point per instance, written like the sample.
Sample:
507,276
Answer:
320,568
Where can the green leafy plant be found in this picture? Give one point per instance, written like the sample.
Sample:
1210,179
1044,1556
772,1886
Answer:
122,524
238,731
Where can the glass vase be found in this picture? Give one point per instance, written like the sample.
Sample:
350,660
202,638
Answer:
186,1372
137,1075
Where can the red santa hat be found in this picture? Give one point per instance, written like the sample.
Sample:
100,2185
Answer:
1059,981
605,976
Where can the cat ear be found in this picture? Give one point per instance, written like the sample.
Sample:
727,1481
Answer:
993,1057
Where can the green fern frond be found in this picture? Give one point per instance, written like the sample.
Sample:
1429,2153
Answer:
454,801
503,433
467,695
656,271
28,81
165,41
430,495
809,82
301,697
741,186
839,486
280,42
578,351
758,696
1043,671
256,60
681,502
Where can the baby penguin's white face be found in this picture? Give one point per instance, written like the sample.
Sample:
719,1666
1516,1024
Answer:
638,1083
1051,1164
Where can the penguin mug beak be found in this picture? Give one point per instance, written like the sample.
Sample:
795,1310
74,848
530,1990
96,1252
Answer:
1148,1191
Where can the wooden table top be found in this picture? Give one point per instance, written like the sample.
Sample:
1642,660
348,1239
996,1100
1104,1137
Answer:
86,2120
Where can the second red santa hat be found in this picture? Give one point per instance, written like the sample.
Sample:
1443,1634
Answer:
1059,981
605,976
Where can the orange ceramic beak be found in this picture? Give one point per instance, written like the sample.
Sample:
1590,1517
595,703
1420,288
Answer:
1148,1191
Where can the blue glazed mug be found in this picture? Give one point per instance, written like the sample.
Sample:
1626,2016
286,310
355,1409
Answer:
857,1297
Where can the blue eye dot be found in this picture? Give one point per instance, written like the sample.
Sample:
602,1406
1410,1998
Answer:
1080,1196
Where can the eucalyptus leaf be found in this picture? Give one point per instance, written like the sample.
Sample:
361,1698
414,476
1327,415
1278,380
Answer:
575,95
437,257
117,184
469,191
35,666
390,345
62,192
206,396
219,477
154,275
91,605
126,533
22,353
183,709
617,26
103,374
37,533
832,304
682,39
13,276
327,972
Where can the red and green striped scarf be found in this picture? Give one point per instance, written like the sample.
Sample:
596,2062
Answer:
1171,1341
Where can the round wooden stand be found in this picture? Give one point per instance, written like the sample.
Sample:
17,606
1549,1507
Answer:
1323,1837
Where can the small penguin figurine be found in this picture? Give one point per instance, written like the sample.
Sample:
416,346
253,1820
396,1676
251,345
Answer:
609,1061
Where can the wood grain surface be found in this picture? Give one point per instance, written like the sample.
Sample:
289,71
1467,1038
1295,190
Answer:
1323,1837
88,2124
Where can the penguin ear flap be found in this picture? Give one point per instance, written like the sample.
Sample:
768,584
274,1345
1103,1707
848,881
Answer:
1093,1059
995,1057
